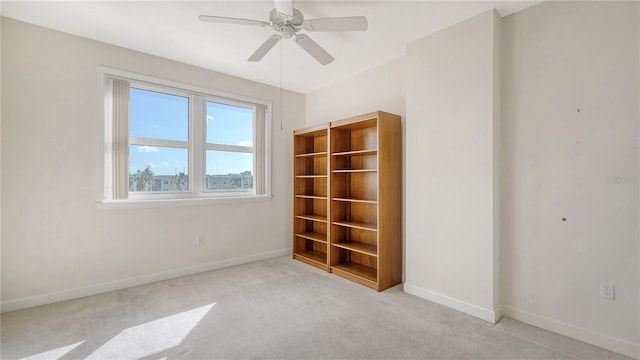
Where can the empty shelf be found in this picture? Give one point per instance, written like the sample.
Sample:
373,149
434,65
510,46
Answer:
357,225
368,249
312,217
313,236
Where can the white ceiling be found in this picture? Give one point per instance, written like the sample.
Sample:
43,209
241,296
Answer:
171,29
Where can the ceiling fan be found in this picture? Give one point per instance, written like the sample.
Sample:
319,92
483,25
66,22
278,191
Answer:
288,22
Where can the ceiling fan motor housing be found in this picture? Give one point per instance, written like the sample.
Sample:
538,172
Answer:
284,24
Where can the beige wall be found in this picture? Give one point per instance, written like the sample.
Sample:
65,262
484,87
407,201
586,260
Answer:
579,165
54,238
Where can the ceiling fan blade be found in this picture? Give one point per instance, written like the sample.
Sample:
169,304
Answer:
314,49
284,7
352,23
228,20
264,48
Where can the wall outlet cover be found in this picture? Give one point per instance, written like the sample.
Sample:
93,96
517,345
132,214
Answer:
607,290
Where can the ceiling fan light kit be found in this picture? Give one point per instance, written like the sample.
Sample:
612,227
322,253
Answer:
287,22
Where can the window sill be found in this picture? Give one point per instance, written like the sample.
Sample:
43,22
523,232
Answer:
156,203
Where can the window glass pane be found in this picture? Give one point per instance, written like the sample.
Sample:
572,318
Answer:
229,125
155,168
228,170
158,116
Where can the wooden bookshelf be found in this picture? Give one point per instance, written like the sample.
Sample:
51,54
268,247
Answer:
358,180
310,196
365,233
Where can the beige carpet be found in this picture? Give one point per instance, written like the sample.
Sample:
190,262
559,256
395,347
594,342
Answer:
278,309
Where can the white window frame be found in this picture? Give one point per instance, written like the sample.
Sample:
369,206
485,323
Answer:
198,97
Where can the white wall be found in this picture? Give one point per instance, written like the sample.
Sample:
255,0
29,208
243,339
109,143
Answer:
54,239
381,88
450,178
581,165
553,59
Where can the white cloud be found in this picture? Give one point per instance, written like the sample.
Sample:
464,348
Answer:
164,164
209,118
150,165
245,143
146,149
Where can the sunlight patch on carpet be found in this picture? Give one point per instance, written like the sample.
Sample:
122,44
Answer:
151,337
54,354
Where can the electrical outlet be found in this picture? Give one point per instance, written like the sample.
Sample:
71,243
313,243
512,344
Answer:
607,290
200,240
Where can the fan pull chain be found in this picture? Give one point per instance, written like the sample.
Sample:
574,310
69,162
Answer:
281,84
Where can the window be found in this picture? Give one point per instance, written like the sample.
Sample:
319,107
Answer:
167,141
158,140
228,147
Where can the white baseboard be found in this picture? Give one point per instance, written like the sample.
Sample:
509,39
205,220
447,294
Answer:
620,346
606,342
468,308
50,298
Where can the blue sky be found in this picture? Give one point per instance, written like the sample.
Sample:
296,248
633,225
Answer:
156,115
